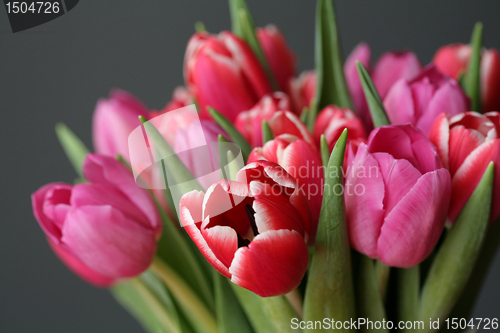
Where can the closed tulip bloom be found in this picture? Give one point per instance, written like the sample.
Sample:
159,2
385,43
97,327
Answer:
103,230
303,162
422,99
391,67
303,89
251,230
397,196
333,120
114,119
249,123
452,60
221,71
467,143
279,56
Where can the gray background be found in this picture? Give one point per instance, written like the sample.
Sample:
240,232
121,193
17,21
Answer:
57,71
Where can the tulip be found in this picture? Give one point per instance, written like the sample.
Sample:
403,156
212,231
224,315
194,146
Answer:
222,72
467,143
252,230
391,67
249,123
114,119
332,121
180,98
303,162
302,90
452,60
279,56
103,230
197,160
397,196
422,99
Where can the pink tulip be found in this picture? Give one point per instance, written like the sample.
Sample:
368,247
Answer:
390,67
103,230
333,120
114,119
397,195
279,56
252,230
452,60
249,123
302,91
422,99
467,143
222,72
303,162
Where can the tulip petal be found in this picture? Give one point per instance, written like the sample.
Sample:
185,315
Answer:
462,142
109,242
273,264
440,136
364,209
413,227
223,242
399,104
393,66
285,122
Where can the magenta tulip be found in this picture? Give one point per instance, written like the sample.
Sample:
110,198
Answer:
252,230
114,119
103,230
422,99
303,162
467,143
279,56
221,71
397,195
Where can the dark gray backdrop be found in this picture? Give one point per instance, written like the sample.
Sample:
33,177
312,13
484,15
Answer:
57,71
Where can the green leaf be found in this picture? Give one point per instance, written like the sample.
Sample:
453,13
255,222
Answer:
244,27
257,316
230,315
474,68
330,292
143,304
331,87
408,294
231,131
455,259
199,27
72,146
325,150
304,115
267,134
369,300
375,104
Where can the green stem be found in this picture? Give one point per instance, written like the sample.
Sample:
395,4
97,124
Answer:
193,307
383,272
295,301
408,294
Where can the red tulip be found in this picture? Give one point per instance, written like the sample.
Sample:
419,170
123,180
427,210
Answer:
180,98
303,162
114,119
222,72
397,195
280,58
252,230
452,60
302,91
467,143
104,230
422,99
249,123
333,120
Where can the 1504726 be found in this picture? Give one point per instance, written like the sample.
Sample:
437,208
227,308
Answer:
39,7
472,324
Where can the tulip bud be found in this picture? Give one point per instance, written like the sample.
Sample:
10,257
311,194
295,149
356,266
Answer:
361,53
114,119
249,123
103,230
279,56
333,120
251,230
303,162
467,143
222,72
397,194
452,60
422,99
303,90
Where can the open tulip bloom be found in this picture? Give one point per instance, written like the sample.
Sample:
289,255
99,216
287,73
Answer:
260,200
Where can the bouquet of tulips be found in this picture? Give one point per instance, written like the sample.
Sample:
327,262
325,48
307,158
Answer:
351,197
